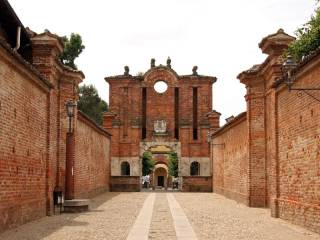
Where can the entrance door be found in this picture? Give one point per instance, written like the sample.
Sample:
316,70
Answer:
161,181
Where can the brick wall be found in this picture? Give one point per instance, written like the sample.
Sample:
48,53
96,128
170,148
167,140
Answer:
33,133
298,149
282,149
196,184
23,141
125,183
92,158
230,153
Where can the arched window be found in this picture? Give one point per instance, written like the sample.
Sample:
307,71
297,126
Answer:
195,169
125,169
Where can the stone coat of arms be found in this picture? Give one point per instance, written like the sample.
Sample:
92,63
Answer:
160,126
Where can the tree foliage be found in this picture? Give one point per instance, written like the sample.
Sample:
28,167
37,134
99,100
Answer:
72,49
173,164
308,38
147,163
91,104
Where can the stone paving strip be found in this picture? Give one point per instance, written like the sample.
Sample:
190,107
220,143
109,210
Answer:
140,229
111,217
162,223
182,226
215,217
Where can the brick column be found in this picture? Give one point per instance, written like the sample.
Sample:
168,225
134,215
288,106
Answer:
46,48
214,120
273,45
108,117
256,131
262,123
70,157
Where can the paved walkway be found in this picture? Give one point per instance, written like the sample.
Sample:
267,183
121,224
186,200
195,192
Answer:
162,216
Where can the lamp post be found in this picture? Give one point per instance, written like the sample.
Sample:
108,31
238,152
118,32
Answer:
70,152
288,68
70,106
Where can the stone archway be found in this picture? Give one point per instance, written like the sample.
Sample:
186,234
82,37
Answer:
160,176
159,150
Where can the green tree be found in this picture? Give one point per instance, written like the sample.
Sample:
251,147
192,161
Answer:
91,104
147,163
173,164
72,49
308,38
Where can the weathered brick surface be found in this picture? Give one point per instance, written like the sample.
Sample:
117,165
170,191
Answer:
125,183
33,134
230,160
92,159
196,184
283,139
298,150
23,143
125,119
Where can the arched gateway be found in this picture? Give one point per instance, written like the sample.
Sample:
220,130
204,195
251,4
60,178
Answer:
161,111
160,177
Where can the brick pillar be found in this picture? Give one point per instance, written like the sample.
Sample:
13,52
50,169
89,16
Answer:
214,120
256,131
70,157
256,168
46,48
108,118
274,46
262,126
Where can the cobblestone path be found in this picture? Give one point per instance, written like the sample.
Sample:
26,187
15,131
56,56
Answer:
165,216
162,224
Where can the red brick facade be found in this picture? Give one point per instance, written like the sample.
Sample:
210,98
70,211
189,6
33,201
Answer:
281,135
92,155
230,159
135,107
23,141
34,126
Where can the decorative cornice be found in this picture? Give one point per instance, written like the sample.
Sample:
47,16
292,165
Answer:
157,68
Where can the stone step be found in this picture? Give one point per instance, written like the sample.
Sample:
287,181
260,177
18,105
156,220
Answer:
76,205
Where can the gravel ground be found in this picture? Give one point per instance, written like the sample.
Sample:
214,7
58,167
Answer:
215,217
113,214
111,217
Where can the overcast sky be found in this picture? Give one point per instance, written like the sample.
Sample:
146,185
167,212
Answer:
220,37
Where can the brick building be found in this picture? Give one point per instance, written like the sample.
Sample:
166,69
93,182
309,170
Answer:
269,156
175,118
35,146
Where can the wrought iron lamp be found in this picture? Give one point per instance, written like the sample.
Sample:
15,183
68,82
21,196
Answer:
70,105
288,66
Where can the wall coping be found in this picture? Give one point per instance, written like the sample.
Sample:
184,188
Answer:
237,120
84,118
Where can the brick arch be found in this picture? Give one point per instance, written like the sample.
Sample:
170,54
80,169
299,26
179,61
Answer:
158,69
161,73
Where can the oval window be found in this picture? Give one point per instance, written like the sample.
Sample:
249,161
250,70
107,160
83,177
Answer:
160,86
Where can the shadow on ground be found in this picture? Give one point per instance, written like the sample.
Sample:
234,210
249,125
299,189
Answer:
44,227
